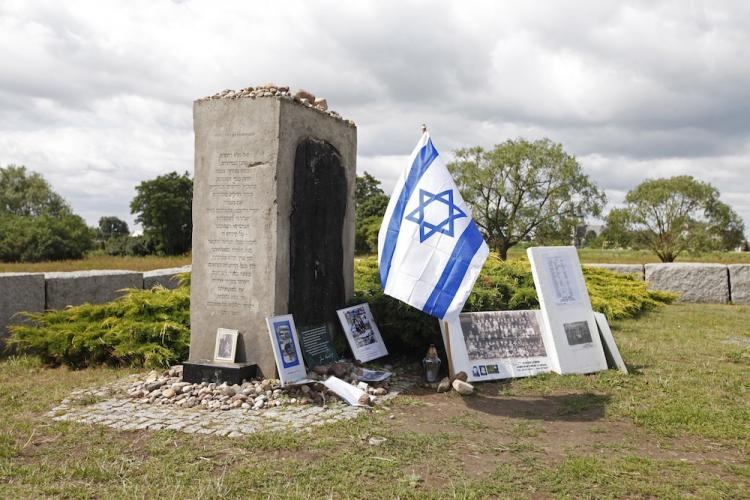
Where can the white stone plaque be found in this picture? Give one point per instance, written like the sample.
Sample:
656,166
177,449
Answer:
496,344
612,353
569,328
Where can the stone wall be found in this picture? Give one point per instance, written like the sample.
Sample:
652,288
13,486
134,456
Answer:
739,281
164,277
700,283
95,287
19,292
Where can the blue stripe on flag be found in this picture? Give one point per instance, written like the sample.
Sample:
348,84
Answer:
453,274
421,163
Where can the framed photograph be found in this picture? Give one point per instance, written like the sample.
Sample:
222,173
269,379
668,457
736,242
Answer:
362,333
226,345
286,349
496,344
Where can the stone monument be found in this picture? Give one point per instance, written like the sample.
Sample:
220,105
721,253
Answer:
273,217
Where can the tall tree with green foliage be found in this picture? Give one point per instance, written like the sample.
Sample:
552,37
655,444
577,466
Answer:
35,222
164,207
28,194
523,188
112,227
370,202
678,214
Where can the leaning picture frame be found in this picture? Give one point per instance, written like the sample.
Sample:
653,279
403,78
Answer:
362,333
286,349
225,349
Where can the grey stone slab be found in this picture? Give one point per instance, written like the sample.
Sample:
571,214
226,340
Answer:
94,287
701,283
634,269
739,280
246,159
19,292
163,277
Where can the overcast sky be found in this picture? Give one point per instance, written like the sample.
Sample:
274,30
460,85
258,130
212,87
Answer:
97,95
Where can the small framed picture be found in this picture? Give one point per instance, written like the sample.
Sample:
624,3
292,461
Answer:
362,333
226,345
286,349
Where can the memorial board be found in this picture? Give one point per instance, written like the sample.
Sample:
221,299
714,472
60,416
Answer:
496,344
568,324
362,333
286,349
317,348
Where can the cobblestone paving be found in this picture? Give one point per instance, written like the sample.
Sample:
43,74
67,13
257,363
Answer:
106,406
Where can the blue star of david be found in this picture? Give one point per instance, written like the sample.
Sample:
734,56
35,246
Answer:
427,229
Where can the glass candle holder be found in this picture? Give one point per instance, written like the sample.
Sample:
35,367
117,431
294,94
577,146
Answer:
431,365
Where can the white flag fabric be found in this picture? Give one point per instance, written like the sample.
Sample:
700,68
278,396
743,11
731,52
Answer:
430,251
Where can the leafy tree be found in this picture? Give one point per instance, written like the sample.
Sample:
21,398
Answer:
44,237
112,227
28,194
370,202
163,206
678,214
523,189
35,222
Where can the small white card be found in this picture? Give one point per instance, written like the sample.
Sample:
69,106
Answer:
286,349
362,333
226,345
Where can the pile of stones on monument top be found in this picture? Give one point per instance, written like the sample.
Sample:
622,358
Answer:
168,388
280,91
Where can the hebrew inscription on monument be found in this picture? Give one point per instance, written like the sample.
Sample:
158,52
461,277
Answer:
252,256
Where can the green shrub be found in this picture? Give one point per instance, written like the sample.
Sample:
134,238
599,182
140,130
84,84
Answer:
148,328
502,285
152,327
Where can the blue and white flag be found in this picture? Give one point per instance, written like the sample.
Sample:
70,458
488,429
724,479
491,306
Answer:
430,250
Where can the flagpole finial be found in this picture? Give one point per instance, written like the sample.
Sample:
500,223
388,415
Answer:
424,128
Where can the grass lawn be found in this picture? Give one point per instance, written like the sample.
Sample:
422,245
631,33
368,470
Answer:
594,256
679,425
587,255
148,263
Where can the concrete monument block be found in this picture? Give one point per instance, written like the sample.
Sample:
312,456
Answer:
739,280
94,287
635,269
273,220
705,283
19,292
164,277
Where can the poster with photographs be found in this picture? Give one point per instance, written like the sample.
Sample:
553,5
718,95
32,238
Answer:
497,344
568,326
286,349
226,345
362,333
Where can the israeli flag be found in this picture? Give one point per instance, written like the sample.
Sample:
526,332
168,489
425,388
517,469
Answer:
430,250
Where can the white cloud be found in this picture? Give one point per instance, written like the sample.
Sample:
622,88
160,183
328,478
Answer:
97,95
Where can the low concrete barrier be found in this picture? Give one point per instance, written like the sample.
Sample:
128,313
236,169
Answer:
739,281
700,283
19,292
636,269
164,277
94,287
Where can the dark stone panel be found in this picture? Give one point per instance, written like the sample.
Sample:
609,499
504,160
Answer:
316,287
231,373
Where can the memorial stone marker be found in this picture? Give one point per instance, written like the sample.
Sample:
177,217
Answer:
569,330
273,218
